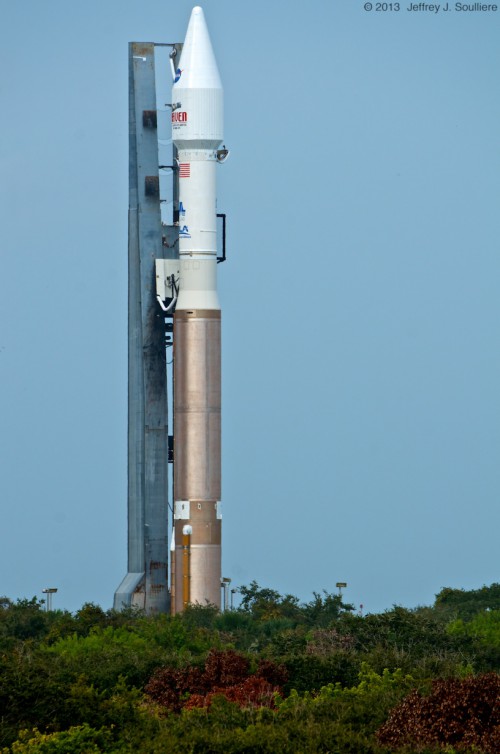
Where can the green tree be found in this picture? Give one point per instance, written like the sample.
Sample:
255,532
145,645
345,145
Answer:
24,619
464,604
267,604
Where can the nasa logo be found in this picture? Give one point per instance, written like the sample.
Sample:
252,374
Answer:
179,117
184,232
178,74
182,211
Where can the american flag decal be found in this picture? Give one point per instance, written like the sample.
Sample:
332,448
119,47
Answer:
184,170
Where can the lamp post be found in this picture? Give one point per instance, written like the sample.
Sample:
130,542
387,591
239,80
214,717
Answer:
49,592
341,585
233,592
224,582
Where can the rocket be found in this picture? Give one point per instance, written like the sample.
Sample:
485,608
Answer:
197,132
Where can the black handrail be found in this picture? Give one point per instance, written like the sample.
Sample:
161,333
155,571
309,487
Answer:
223,257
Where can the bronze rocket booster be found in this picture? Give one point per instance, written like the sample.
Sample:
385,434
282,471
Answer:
197,469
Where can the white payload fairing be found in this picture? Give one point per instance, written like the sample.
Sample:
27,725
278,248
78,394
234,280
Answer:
197,132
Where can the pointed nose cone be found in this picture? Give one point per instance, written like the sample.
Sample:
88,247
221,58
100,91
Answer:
197,122
198,68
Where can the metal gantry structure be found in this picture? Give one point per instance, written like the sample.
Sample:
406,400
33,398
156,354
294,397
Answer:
146,582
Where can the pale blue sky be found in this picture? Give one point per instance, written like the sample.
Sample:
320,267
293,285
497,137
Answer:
361,367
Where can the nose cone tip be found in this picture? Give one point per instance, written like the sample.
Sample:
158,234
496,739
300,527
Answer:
198,67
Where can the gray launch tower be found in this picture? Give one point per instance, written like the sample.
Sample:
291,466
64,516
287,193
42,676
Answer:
146,582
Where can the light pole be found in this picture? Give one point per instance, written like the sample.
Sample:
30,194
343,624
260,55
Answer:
233,592
341,585
49,592
224,582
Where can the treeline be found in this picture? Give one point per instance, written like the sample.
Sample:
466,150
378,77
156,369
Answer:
274,675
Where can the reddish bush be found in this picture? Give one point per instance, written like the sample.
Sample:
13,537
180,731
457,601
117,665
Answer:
253,692
225,668
276,675
168,686
225,673
460,713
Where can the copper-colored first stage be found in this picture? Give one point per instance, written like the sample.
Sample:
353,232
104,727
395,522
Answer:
196,566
